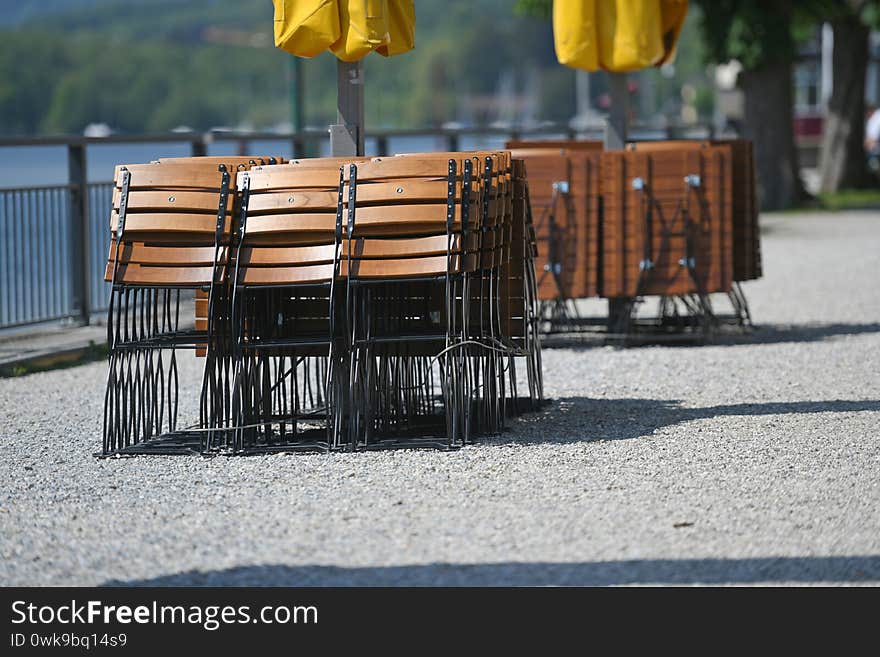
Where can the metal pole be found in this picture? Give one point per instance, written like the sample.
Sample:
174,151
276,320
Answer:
347,135
79,219
296,87
615,126
615,140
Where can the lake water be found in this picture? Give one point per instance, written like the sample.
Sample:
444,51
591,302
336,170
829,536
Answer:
31,166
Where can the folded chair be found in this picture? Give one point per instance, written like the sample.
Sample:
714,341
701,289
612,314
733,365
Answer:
667,231
523,315
285,315
170,233
232,164
492,368
410,253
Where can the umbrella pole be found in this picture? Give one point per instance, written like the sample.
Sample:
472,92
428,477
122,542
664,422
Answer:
347,135
615,125
619,308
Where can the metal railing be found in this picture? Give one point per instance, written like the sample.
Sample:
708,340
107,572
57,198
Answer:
35,264
54,239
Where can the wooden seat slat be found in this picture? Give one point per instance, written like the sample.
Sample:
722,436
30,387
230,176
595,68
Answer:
205,176
408,267
293,255
308,199
173,201
169,222
284,176
286,275
157,275
139,252
401,167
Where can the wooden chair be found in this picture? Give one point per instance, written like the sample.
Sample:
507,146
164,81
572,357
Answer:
667,228
285,309
171,228
412,231
233,164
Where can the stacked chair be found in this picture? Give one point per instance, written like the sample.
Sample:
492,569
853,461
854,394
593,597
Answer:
170,228
341,303
675,219
667,230
566,201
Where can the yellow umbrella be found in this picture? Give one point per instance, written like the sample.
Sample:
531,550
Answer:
350,29
616,35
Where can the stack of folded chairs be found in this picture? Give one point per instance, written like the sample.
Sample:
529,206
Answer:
343,303
564,177
673,219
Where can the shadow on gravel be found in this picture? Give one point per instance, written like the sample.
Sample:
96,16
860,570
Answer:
580,419
761,334
774,333
852,569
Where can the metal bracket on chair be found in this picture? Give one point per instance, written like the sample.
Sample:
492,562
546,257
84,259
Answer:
646,264
692,180
450,195
466,196
339,205
352,196
688,262
244,186
123,204
487,183
561,186
221,208
638,184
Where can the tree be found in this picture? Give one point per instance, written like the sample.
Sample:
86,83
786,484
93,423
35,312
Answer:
842,158
762,36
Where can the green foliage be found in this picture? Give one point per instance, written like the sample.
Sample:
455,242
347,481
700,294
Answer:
850,199
153,65
757,32
870,14
538,8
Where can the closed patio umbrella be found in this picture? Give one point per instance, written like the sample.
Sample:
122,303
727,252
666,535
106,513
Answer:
350,29
616,36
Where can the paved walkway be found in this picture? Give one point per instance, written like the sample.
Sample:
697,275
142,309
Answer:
45,346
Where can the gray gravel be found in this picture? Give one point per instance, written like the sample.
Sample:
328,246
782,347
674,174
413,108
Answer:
740,464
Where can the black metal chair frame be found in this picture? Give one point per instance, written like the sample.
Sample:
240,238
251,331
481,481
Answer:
261,400
143,321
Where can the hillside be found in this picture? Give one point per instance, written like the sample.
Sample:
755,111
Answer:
153,65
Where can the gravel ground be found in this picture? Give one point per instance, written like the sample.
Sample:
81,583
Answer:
742,464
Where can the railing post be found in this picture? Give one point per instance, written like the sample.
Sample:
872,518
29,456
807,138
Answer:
79,220
199,146
452,142
382,145
298,146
